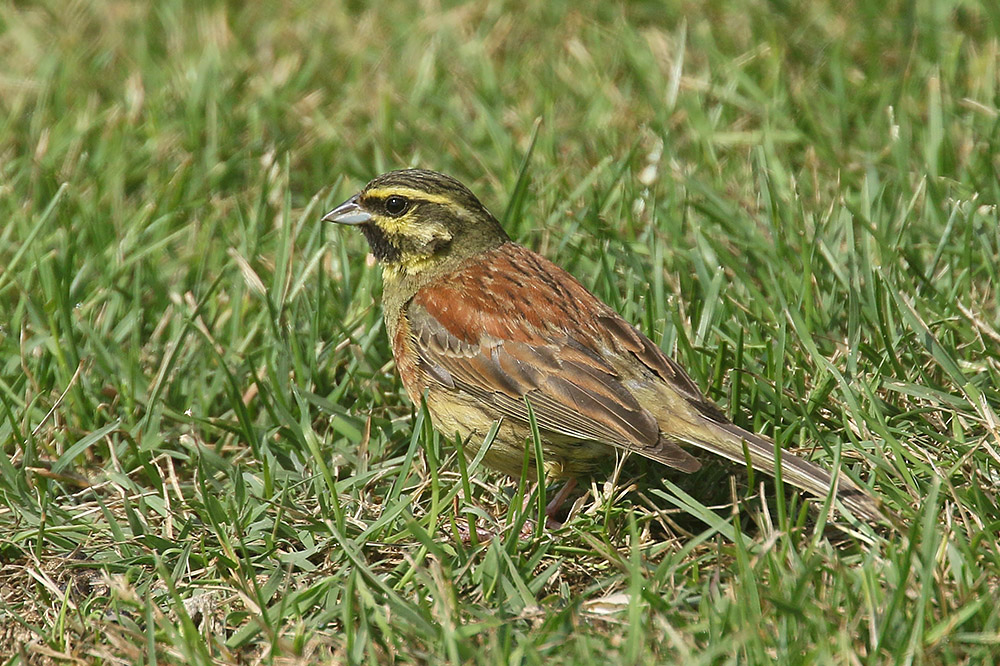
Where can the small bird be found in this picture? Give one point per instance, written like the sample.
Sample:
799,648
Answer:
479,325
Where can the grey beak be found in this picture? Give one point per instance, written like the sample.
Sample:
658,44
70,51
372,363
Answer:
348,212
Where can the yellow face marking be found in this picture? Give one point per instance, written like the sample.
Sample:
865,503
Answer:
383,192
403,225
425,232
395,225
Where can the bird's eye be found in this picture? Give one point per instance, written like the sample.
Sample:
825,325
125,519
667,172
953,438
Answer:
396,205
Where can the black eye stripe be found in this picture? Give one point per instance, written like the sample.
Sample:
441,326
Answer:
381,203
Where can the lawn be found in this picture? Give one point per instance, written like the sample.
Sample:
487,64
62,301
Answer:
206,456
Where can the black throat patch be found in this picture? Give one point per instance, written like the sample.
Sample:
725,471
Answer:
378,241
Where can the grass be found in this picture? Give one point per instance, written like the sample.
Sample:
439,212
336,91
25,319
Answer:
206,456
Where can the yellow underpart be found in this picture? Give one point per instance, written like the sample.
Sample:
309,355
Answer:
405,266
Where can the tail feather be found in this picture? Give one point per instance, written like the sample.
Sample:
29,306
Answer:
727,440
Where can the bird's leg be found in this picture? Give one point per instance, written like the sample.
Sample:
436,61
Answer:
552,508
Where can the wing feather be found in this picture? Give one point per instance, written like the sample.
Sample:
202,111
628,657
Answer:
573,392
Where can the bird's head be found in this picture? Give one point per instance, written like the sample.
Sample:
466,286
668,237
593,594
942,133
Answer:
416,220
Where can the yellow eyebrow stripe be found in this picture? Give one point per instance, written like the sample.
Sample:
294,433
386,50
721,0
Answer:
420,195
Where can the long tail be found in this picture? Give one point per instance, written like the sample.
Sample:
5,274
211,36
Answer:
727,440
